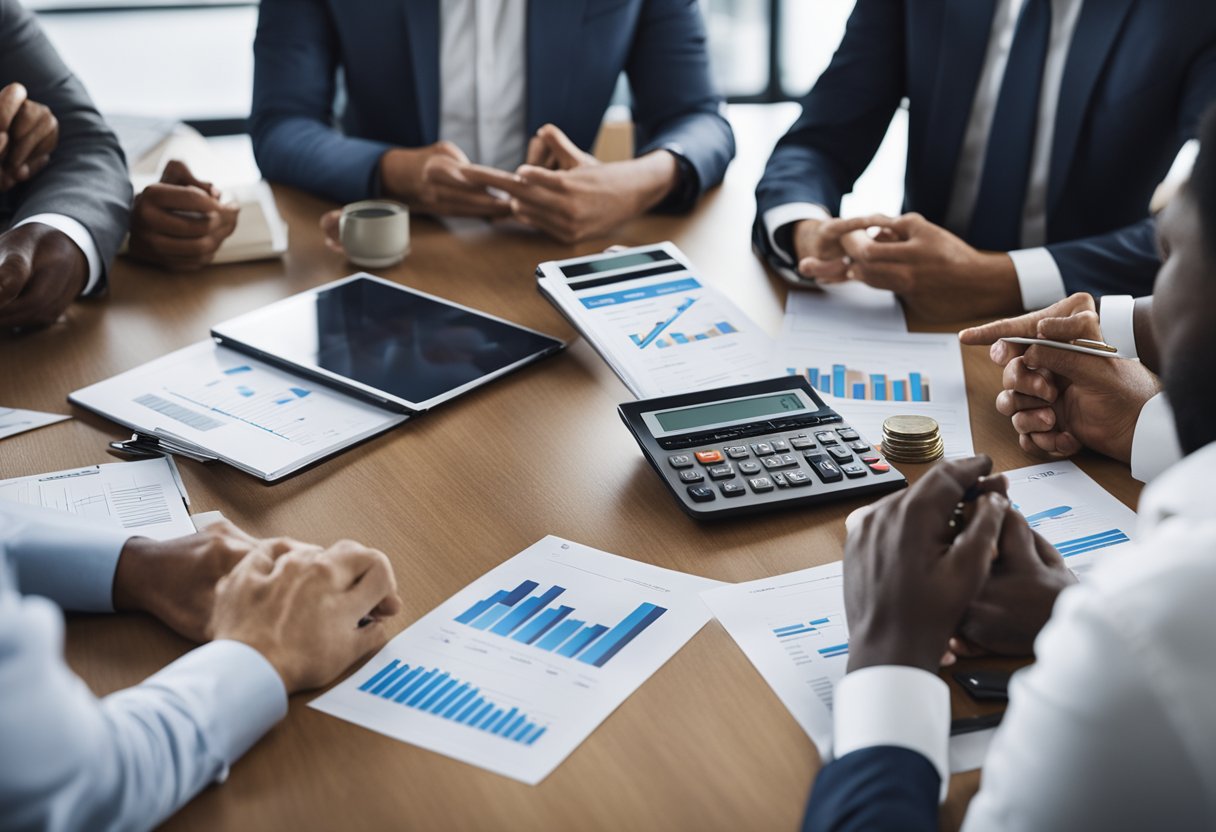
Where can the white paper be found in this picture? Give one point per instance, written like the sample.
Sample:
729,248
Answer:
668,333
793,629
1075,514
846,308
140,497
902,360
14,421
250,414
562,698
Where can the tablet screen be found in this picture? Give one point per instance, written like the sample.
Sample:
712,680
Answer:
416,348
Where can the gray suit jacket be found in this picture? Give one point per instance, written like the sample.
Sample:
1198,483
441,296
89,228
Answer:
86,178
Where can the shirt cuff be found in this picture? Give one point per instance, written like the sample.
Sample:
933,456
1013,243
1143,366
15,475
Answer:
1155,445
79,235
783,215
1039,277
71,563
1118,314
236,696
894,706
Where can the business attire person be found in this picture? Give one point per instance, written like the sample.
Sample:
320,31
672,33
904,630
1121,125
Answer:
128,760
483,75
1112,728
83,191
1053,161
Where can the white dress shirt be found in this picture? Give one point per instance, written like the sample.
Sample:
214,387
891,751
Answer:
1155,445
69,760
1114,726
79,235
1038,274
483,79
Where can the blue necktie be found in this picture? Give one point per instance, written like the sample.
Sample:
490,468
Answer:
996,223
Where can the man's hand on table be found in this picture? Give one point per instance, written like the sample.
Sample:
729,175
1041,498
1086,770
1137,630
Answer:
1061,401
41,272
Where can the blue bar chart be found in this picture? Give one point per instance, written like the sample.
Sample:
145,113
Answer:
843,382
442,695
527,617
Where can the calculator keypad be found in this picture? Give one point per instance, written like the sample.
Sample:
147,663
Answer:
775,464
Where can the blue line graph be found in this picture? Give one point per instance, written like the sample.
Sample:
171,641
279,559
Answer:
644,341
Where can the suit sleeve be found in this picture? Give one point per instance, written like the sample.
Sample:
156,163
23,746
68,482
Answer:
844,117
86,178
675,104
296,58
1126,260
882,787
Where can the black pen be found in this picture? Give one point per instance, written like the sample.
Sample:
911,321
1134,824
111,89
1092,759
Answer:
958,517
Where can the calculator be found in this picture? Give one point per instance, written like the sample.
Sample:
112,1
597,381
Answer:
755,447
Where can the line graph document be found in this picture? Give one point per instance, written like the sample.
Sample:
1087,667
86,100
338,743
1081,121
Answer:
513,672
141,497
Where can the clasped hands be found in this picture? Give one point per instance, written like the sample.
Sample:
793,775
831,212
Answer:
309,610
937,274
560,189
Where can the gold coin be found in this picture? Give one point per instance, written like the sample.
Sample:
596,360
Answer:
910,426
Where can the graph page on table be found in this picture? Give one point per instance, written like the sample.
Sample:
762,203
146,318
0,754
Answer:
793,630
668,333
141,497
514,671
248,413
869,376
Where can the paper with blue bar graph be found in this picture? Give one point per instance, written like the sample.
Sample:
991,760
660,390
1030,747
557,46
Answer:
514,671
793,629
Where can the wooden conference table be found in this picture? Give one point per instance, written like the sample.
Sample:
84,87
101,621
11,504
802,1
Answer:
704,744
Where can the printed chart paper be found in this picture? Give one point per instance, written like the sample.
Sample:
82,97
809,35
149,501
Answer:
514,671
14,420
143,497
793,629
869,376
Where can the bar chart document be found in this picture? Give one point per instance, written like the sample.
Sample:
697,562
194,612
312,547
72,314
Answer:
1076,515
253,416
792,629
869,376
14,420
143,498
514,671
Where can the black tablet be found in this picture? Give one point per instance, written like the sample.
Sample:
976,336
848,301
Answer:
398,347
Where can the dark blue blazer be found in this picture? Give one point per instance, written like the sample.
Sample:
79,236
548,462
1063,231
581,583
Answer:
388,54
1138,76
875,789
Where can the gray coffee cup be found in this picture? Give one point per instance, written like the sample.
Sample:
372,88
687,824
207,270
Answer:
375,233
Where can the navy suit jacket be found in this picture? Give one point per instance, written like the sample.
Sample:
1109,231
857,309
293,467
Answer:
1138,76
388,54
875,789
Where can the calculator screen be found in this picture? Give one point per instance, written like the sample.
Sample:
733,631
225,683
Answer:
731,411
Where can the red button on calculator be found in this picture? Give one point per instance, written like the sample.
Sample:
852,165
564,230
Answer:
709,457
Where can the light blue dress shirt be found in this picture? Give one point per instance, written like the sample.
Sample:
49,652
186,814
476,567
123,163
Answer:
69,760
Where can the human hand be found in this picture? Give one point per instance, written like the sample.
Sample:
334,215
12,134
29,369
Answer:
180,222
1061,401
29,133
908,581
41,273
938,276
433,180
574,196
301,607
1016,600
819,245
175,580
1080,306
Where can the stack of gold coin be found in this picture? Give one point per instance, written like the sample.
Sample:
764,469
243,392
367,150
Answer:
912,439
